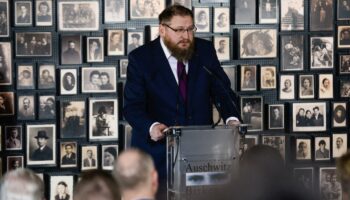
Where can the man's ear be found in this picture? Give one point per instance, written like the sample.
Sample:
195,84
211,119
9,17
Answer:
161,30
154,181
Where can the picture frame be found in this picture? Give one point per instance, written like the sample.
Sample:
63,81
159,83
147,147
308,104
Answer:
222,47
114,11
245,11
61,185
95,49
68,154
103,119
89,158
5,27
47,107
343,10
72,118
248,78
321,52
46,133
322,148
13,138
252,112
340,144
141,10
46,76
344,88
71,49
186,3
313,124
71,17
123,66
325,86
292,52
321,15
6,63
109,156
303,149
23,13
7,104
98,79
268,77
116,41
276,116
249,142
153,32
292,9
305,177
202,19
278,142
69,81
14,162
268,11
326,175
135,39
339,117
343,37
344,64
221,20
44,13
26,107
127,136
258,43
230,71
287,87
25,76
306,86
29,44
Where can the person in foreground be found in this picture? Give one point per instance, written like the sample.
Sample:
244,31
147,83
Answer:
343,172
136,175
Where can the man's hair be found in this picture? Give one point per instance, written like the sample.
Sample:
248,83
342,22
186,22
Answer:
71,41
62,183
247,69
316,107
174,10
21,183
71,145
321,142
135,35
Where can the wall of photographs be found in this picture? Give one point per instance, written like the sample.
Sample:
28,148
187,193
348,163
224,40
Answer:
63,67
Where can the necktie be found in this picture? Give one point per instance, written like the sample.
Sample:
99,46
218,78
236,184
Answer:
181,74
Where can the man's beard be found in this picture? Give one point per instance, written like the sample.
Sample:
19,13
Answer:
179,53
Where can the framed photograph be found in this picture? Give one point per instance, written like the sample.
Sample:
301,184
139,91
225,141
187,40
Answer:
305,177
339,116
47,107
123,66
5,63
6,103
292,15
325,86
186,3
89,158
69,81
141,9
61,187
135,39
78,15
343,10
268,11
321,50
343,37
23,13
306,87
268,77
321,15
303,149
276,116
292,52
29,44
5,20
258,43
221,20
222,47
154,32
328,175
26,107
276,141
309,117
46,76
41,144
68,154
25,76
344,64
252,112
116,40
99,80
14,162
95,52
13,137
72,119
103,119
109,155
344,88
248,78
249,141
114,11
71,49
43,14
340,144
245,11
287,87
127,136
230,71
0,141
202,19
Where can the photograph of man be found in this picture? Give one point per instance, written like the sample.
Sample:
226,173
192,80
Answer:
61,191
6,103
344,36
317,117
321,16
71,53
43,152
249,78
72,119
43,15
89,161
343,9
95,51
276,117
47,107
70,157
23,10
14,162
321,153
339,145
116,42
26,107
69,81
268,78
339,116
46,80
13,138
134,41
25,77
304,149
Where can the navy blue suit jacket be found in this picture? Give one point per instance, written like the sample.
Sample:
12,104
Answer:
152,95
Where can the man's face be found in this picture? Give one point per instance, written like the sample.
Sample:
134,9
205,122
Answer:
248,74
322,147
71,45
316,111
301,112
223,18
42,142
26,103
135,40
89,154
61,189
45,74
15,164
346,35
268,75
304,148
26,75
276,112
68,149
222,44
326,83
339,143
14,133
43,9
23,10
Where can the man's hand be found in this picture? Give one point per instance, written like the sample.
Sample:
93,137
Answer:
157,132
233,123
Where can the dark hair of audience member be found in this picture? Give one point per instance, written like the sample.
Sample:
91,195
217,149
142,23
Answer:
343,172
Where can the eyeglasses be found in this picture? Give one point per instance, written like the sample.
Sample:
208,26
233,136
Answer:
180,31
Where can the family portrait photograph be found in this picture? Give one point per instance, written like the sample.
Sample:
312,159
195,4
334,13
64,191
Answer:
33,44
329,183
146,9
309,117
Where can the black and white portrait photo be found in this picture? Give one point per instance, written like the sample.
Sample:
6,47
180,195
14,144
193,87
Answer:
245,11
114,11
46,77
78,16
305,177
69,82
98,79
258,43
252,112
4,18
292,52
321,15
25,77
222,47
72,119
146,9
109,155
89,158
95,52
5,63
343,9
30,44
268,11
303,149
344,64
330,186
268,77
186,3
344,88
343,36
47,107
340,144
71,49
287,87
221,20
321,50
339,114
13,137
103,119
306,87
41,144
276,116
61,187
123,66
68,154
248,77
325,86
277,142
26,107
23,13
202,19
116,40
6,103
230,71
322,148
309,117
43,13
292,15
153,32
14,162
135,39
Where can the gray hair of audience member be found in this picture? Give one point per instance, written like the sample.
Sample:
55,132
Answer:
21,184
133,168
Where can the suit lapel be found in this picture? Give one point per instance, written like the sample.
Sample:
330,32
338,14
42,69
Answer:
193,68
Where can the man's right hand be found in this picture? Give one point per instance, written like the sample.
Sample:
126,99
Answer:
157,132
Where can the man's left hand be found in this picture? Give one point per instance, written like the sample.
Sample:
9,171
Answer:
233,123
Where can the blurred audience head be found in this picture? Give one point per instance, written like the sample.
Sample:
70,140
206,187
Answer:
343,170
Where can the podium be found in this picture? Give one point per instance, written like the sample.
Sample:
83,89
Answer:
200,159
